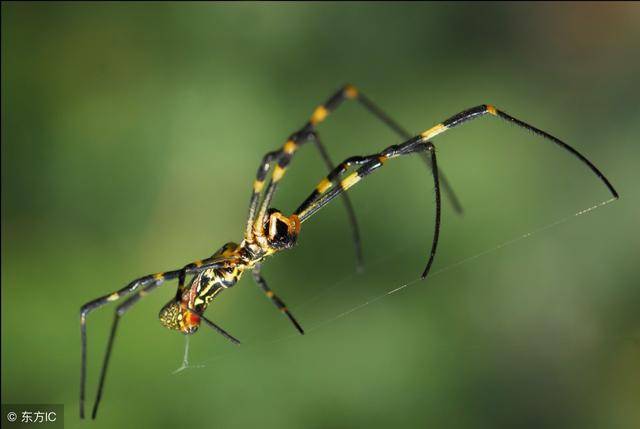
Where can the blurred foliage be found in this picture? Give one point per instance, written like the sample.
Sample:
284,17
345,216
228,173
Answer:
130,138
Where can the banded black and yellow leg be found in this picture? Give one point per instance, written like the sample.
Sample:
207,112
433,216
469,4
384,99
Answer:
478,111
282,162
350,92
261,282
325,192
308,132
281,159
120,311
277,161
351,214
277,174
103,300
333,178
258,185
134,286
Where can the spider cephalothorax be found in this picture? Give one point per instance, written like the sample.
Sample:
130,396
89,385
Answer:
269,231
280,232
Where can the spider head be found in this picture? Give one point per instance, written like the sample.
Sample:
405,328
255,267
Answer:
176,316
281,231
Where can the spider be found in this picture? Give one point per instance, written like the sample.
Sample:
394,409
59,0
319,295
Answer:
269,231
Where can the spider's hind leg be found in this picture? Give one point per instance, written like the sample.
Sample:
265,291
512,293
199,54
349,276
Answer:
120,311
100,302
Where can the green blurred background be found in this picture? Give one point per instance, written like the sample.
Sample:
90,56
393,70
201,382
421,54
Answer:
130,138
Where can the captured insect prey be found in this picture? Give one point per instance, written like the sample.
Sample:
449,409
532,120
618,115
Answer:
268,230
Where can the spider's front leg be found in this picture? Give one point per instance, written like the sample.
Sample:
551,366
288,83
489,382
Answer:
488,109
325,190
282,157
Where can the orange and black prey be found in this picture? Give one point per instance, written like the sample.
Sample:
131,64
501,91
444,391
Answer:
269,231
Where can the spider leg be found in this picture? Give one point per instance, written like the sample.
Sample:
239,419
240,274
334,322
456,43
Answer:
103,300
353,221
332,180
282,158
436,231
326,191
120,311
126,306
478,111
133,286
262,283
428,160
